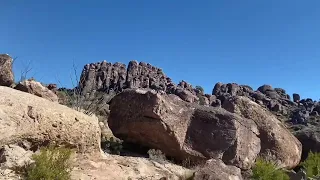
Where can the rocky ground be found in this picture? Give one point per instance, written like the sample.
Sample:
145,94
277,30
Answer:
218,135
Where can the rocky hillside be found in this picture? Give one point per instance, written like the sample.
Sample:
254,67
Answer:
109,78
301,116
217,136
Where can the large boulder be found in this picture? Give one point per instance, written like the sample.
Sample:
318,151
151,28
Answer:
28,119
277,143
217,170
6,73
183,130
36,88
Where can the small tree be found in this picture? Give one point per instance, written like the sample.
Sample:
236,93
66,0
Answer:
312,165
267,170
50,164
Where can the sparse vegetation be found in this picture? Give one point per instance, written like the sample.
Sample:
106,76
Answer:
312,165
50,164
157,155
112,145
266,170
201,100
199,88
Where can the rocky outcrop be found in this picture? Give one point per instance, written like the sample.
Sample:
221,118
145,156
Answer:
277,142
31,120
114,78
183,130
6,73
36,88
217,170
144,75
103,76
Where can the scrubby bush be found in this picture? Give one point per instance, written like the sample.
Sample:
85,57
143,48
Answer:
312,165
199,88
50,164
112,145
267,170
157,155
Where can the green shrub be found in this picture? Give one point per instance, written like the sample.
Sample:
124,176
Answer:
200,89
312,165
265,170
157,155
112,145
50,164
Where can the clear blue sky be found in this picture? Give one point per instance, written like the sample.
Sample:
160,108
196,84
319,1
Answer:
250,42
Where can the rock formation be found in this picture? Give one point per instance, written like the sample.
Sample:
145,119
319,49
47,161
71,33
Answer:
107,77
34,121
185,130
6,73
36,88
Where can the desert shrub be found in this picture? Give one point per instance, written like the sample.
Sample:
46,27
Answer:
312,165
266,170
200,89
50,164
157,155
112,145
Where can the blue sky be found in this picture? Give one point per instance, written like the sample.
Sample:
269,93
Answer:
250,42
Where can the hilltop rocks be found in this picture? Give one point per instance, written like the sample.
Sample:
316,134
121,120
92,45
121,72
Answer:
28,119
183,130
103,76
36,88
296,97
114,78
6,73
277,142
143,75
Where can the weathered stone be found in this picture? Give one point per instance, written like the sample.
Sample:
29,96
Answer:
272,94
28,118
186,95
265,88
12,156
217,170
36,88
6,73
300,116
52,86
277,143
183,130
310,139
103,76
